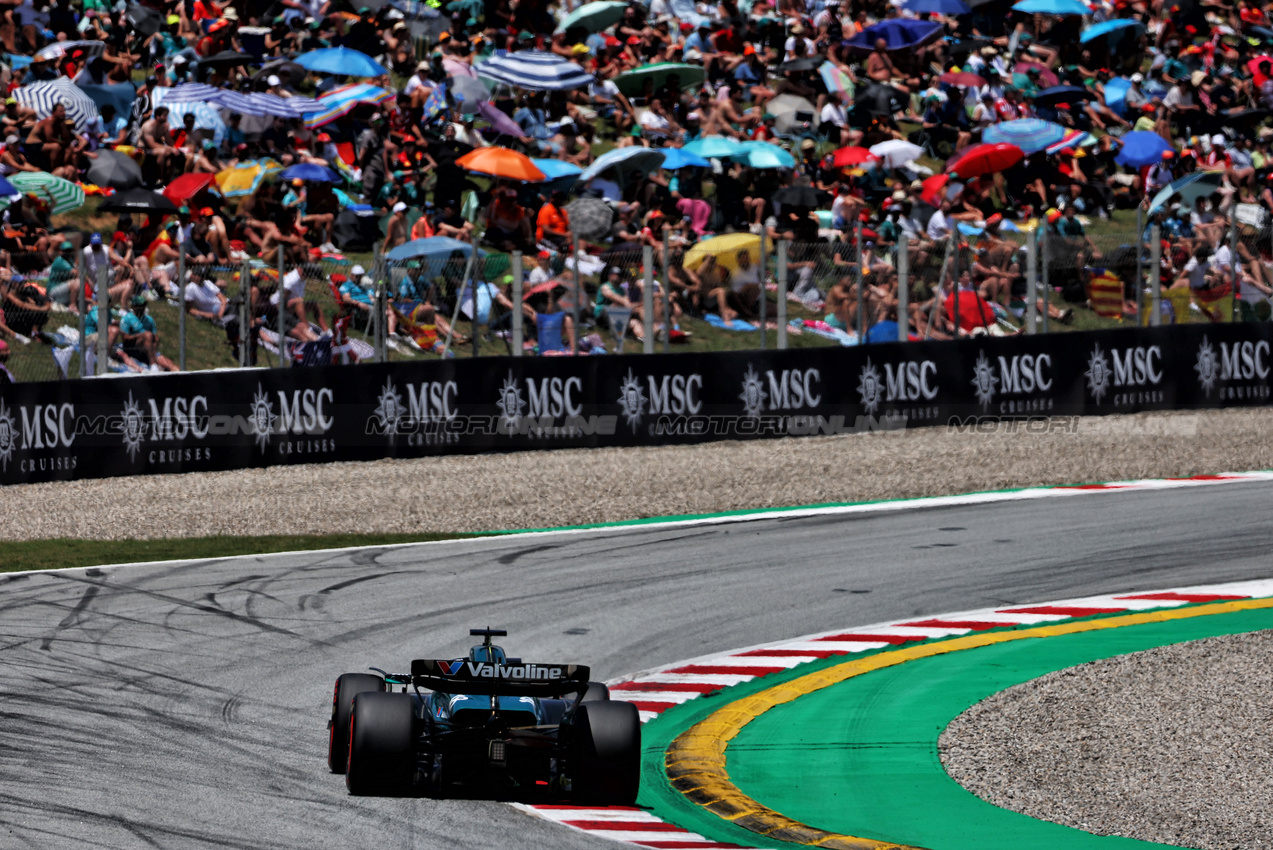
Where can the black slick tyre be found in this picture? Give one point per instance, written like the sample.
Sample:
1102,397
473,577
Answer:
597,692
606,753
348,686
381,744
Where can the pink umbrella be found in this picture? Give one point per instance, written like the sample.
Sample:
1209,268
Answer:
1046,77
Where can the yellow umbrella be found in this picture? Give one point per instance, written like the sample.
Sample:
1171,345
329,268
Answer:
245,178
725,249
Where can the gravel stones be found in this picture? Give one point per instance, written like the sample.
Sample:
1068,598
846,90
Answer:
570,487
1171,745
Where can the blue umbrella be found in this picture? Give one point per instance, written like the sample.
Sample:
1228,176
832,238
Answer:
674,158
1199,184
344,61
937,7
432,246
623,160
310,171
898,34
765,155
1141,148
1117,26
1029,134
7,188
1061,94
1116,94
714,147
1052,7
561,175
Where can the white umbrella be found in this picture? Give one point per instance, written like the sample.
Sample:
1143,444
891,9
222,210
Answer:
895,153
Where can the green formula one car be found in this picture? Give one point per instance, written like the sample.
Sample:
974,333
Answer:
485,724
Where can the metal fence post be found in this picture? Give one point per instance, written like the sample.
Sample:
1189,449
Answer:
378,307
954,272
1032,283
764,290
245,315
1140,265
181,310
1047,288
574,312
1233,266
283,360
857,278
83,308
103,320
667,298
647,297
477,320
1155,261
459,297
903,288
517,304
783,245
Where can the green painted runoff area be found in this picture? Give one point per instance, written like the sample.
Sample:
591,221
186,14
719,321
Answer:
860,757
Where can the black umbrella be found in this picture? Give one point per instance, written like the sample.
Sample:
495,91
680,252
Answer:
226,59
145,21
1061,94
138,201
880,99
114,169
291,74
805,63
799,196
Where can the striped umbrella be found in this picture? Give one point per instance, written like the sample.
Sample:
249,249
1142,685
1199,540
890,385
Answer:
190,93
42,97
58,49
341,101
1073,139
534,69
205,114
63,195
1029,134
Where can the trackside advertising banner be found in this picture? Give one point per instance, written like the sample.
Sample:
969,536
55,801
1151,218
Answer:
256,418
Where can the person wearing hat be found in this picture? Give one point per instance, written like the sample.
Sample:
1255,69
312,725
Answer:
140,337
395,228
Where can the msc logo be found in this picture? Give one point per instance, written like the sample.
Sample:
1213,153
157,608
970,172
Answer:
1238,361
908,381
1132,367
671,395
450,668
794,388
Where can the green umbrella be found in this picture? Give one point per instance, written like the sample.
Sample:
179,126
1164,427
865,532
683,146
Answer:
593,17
62,195
632,83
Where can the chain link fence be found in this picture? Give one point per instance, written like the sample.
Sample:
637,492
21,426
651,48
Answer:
343,310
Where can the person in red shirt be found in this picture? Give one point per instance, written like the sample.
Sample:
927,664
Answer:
1006,107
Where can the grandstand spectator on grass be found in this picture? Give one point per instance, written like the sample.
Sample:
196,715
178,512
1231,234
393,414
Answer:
197,249
450,223
742,295
49,142
552,225
205,300
358,294
64,286
507,224
140,338
156,141
395,228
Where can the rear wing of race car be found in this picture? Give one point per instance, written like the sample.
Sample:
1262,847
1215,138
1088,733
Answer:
521,678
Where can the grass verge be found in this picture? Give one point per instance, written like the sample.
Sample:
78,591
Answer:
66,552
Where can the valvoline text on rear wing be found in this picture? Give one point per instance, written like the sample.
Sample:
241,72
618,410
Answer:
489,679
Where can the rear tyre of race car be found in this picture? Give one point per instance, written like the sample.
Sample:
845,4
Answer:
347,687
597,692
606,753
381,744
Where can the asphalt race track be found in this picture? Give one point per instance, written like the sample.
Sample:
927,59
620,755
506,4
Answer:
186,706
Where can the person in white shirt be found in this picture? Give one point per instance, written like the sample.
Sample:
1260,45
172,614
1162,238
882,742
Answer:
939,225
835,113
206,301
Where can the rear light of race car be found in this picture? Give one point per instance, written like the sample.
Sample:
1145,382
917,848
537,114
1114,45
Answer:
497,751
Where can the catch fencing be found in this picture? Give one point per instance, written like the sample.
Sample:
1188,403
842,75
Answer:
337,310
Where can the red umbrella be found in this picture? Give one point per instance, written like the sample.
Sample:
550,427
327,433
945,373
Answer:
1254,67
982,159
1046,77
850,156
935,189
962,78
186,186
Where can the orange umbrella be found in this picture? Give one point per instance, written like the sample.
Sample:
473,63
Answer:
502,162
853,156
